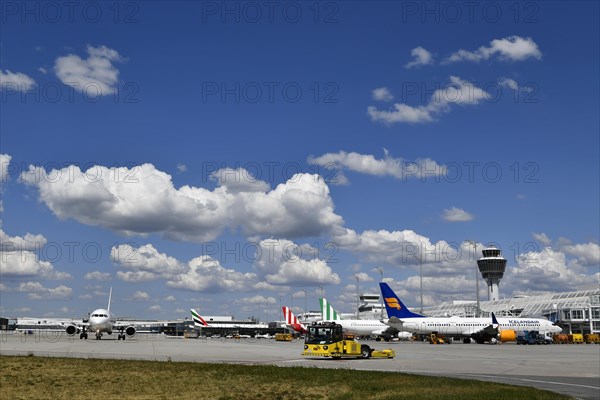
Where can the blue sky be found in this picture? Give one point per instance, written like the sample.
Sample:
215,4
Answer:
230,156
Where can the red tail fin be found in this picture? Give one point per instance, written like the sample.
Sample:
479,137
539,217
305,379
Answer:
292,320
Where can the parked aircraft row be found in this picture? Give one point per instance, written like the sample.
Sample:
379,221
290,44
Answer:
401,323
359,327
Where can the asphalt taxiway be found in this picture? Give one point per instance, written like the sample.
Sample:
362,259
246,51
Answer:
569,369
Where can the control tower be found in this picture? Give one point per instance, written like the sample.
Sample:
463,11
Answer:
492,267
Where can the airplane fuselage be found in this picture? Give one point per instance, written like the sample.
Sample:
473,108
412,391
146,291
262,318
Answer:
101,321
468,326
362,326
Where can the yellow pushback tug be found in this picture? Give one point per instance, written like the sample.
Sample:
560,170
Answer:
326,339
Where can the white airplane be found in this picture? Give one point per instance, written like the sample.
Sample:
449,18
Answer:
201,322
479,329
360,327
101,321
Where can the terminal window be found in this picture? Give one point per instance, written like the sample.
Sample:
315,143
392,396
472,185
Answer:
576,314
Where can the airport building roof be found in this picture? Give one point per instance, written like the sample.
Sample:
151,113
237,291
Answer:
521,306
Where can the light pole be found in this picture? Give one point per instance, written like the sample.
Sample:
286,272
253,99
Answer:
356,276
380,269
474,244
304,290
267,310
421,275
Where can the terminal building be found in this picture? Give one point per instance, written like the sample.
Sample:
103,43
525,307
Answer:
576,312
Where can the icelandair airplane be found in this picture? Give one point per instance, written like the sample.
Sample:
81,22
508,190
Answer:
101,321
479,329
292,322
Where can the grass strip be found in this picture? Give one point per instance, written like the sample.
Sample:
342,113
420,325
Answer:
75,378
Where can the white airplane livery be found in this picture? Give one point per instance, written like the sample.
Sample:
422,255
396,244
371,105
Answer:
360,327
200,322
101,321
292,322
479,329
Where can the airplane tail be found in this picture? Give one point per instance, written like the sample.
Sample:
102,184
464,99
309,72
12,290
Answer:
393,304
109,298
292,320
327,311
198,320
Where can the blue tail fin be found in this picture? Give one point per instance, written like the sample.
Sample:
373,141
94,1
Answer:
393,305
494,320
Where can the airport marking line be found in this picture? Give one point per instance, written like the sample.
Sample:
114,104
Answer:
534,380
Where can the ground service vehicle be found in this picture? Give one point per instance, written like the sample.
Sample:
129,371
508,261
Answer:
507,335
561,338
326,339
591,338
531,337
439,339
576,338
283,337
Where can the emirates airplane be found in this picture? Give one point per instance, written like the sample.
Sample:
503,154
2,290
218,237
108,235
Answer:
101,321
478,329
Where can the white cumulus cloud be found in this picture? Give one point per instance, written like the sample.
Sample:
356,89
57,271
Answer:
4,167
238,180
421,57
98,276
586,253
143,200
512,48
15,81
548,270
19,258
283,262
96,72
368,164
456,214
140,295
542,238
205,274
36,291
382,94
457,91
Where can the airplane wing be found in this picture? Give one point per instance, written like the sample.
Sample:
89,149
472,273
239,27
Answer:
128,329
489,332
76,327
394,321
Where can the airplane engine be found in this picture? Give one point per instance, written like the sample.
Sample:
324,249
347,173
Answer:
130,331
508,336
71,330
